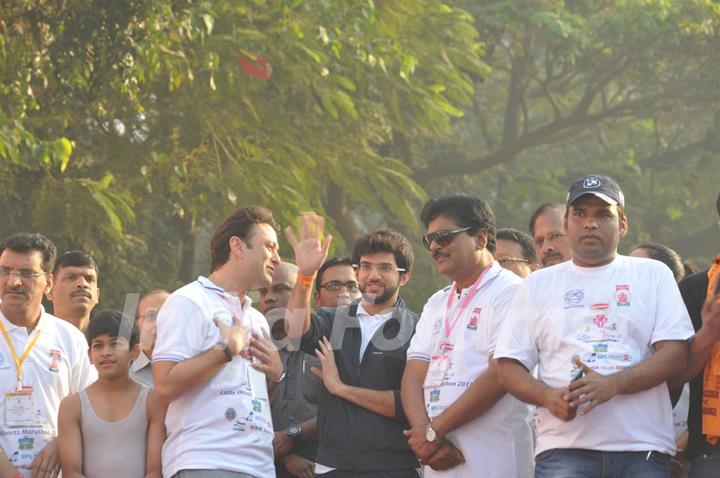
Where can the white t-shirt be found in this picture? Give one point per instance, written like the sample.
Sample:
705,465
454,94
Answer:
609,316
225,423
369,324
499,442
57,366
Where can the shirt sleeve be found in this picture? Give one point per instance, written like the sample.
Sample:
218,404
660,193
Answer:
321,325
672,321
517,337
499,315
421,344
180,330
83,373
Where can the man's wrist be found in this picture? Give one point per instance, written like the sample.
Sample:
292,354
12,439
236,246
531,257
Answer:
306,279
225,349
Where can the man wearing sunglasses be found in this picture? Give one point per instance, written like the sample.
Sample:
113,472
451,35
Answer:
463,423
362,351
336,283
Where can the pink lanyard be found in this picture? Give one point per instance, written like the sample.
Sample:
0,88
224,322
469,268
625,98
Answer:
450,324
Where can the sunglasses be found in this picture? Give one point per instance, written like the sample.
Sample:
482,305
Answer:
442,238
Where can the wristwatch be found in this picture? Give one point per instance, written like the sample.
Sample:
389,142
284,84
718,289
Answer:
294,431
430,434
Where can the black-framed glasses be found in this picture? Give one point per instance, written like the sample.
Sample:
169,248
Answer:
24,274
336,285
384,267
442,238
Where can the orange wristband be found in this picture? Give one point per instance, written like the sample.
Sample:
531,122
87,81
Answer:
305,280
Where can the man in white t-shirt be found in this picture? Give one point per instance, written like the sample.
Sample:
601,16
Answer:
450,391
606,332
52,354
214,361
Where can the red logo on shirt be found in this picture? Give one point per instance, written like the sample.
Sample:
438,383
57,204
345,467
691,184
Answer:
55,357
600,314
622,295
474,319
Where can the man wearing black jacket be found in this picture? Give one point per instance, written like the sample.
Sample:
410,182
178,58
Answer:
699,292
362,351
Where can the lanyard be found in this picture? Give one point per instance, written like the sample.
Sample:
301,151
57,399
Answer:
18,360
450,323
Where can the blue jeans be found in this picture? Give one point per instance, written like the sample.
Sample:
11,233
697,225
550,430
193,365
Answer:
577,463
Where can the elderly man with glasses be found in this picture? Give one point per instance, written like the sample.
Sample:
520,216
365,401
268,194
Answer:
42,359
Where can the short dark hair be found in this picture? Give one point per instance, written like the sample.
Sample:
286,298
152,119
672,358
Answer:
111,322
385,241
75,259
27,242
667,256
542,210
467,211
526,242
332,262
240,223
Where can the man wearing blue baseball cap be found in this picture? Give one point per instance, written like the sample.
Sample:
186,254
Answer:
606,332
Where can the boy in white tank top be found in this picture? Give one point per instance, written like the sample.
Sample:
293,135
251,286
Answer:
114,427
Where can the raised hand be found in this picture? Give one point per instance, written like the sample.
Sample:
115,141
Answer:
310,249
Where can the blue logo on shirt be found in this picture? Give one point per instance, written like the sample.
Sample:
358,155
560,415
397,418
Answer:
574,298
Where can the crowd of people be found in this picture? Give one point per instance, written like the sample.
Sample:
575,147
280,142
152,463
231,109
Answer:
548,355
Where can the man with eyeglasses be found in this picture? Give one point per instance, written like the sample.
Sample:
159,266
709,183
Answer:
148,307
42,359
336,284
75,289
515,251
294,400
546,228
463,423
362,350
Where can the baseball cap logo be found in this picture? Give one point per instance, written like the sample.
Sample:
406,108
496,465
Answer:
591,182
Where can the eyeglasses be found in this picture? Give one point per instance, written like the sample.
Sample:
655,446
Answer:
24,274
335,286
508,259
278,289
385,267
442,238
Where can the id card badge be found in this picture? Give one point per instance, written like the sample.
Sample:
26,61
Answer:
437,369
19,409
258,384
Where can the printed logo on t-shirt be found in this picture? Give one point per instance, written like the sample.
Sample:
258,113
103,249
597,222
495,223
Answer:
257,406
230,414
622,295
474,319
600,314
54,359
600,348
435,395
574,298
26,443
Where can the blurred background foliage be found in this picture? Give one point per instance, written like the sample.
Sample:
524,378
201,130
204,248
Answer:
129,128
